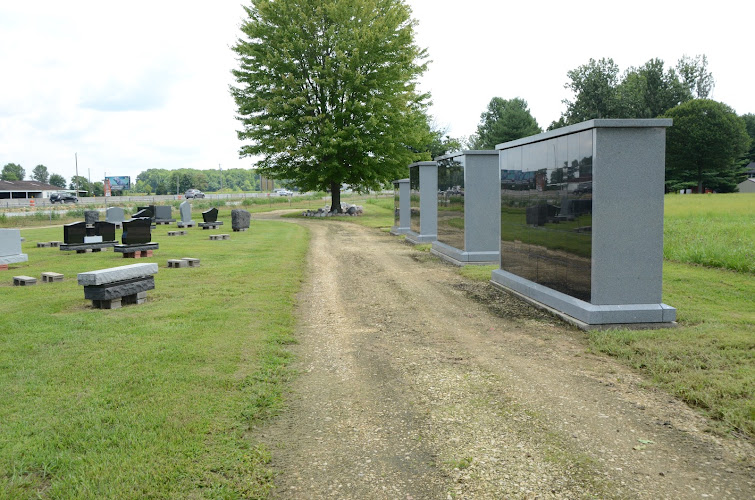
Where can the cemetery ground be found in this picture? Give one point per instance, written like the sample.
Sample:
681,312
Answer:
389,375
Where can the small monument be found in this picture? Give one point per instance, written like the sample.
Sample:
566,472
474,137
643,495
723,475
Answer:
136,239
240,220
83,237
185,210
10,248
210,218
110,288
163,214
91,216
115,215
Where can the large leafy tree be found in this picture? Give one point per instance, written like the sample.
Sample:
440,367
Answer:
40,173
695,75
595,92
12,172
505,120
650,90
58,180
80,183
750,126
327,92
703,146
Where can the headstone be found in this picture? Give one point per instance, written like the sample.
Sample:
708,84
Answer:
106,230
115,215
163,214
74,233
150,208
240,220
137,231
210,215
91,216
142,213
185,211
10,247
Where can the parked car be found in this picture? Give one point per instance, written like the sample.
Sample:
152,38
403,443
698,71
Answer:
63,198
194,193
285,192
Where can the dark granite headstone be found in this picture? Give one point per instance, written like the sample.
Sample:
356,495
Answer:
210,215
74,233
144,213
240,219
106,230
137,231
91,216
150,210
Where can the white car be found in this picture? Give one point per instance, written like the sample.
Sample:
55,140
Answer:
285,192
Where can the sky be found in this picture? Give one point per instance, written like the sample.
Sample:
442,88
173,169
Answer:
121,87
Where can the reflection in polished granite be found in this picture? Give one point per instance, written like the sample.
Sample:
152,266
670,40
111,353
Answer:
414,198
451,203
546,213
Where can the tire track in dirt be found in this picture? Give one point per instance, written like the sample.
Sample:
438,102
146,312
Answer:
408,388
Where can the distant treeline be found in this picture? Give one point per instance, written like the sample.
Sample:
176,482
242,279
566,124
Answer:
161,181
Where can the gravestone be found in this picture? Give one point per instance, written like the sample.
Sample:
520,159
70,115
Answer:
74,233
137,231
142,213
106,230
163,214
91,216
240,220
115,215
10,248
210,215
185,211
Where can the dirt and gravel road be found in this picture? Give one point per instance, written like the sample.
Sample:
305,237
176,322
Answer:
417,383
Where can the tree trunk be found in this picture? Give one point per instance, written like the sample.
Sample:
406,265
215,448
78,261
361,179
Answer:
335,193
699,179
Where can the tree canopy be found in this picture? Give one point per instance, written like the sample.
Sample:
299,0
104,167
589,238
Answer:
750,126
12,172
703,146
647,91
58,180
504,121
327,92
40,174
162,181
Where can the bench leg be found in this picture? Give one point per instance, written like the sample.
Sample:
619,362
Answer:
107,304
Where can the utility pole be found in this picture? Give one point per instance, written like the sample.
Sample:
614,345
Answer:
221,176
89,174
76,156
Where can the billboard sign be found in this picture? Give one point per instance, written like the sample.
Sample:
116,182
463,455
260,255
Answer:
119,183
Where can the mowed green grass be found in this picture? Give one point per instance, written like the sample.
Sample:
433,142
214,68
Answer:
715,230
155,400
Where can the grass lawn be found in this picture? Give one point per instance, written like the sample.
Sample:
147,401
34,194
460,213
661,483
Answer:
154,400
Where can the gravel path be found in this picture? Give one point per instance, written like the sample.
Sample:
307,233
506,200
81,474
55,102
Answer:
416,383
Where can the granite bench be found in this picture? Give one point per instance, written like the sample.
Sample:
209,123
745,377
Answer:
110,288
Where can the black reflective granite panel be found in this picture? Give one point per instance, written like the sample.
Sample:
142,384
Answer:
414,198
105,229
451,199
210,215
546,213
150,211
74,233
144,213
137,231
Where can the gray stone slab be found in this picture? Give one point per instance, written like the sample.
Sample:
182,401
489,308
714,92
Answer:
50,277
240,219
107,304
113,274
193,262
91,216
14,259
10,242
177,263
135,248
79,247
119,289
24,281
116,215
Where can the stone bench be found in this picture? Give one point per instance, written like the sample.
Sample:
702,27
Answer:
220,236
24,281
110,288
50,277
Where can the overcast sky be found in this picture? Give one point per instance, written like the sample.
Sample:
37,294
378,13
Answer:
144,84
